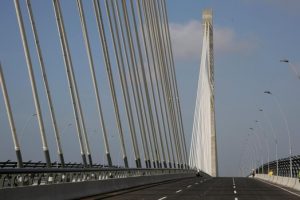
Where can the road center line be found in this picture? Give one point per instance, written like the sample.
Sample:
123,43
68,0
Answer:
233,181
234,191
189,186
235,198
196,183
162,198
178,191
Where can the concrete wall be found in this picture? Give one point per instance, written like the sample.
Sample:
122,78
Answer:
280,180
83,189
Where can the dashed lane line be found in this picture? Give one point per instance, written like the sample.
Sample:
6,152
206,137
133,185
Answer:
234,192
189,186
178,191
162,198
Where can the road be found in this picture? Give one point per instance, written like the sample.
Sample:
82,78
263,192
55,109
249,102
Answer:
200,188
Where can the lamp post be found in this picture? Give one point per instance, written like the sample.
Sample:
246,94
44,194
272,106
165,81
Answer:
287,128
256,149
65,128
26,124
266,141
274,136
292,66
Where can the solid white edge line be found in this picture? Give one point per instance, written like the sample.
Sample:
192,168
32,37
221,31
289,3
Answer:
280,187
178,191
162,198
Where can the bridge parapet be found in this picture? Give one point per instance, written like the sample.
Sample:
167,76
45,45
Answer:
283,166
11,178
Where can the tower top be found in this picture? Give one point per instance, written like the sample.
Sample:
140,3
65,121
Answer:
207,15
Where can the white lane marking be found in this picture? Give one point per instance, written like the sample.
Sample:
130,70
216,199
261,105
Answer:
234,191
189,186
196,183
280,188
162,198
233,181
178,191
235,198
234,187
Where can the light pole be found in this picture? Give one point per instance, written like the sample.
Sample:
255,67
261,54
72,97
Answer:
65,128
292,66
26,124
259,147
266,141
287,128
275,138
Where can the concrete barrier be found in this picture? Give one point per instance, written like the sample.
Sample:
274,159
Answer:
280,180
292,182
297,185
285,181
84,189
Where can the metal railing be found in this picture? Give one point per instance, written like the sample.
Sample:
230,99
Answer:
40,164
11,178
283,167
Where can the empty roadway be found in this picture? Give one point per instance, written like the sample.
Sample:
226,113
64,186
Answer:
200,188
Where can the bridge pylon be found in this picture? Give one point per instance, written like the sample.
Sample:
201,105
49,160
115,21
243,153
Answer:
203,154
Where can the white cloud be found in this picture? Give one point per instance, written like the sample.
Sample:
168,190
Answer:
187,40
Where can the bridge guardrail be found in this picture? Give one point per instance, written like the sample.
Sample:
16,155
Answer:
283,167
11,178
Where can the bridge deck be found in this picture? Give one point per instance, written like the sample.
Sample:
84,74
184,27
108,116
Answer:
197,188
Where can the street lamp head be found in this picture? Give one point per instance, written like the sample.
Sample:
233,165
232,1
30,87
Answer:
260,110
285,60
256,121
251,129
267,92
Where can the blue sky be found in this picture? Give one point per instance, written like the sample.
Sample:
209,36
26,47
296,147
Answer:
250,39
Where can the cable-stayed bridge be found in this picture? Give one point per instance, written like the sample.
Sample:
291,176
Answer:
136,54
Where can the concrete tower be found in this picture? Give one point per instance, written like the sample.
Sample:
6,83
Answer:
208,27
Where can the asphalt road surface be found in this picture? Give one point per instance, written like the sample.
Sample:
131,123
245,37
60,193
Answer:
200,188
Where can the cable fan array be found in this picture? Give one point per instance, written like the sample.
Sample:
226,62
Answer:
201,154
